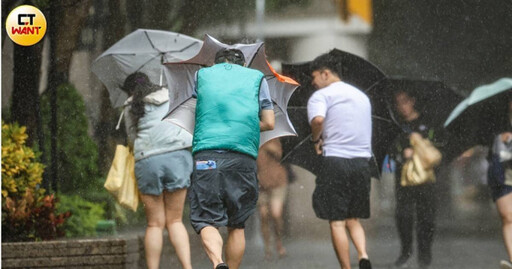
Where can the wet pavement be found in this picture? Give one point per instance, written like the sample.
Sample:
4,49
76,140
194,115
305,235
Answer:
468,234
455,246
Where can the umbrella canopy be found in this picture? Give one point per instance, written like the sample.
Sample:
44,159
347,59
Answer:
353,70
180,75
434,100
144,51
482,115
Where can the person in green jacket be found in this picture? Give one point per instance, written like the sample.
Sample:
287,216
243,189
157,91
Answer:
233,107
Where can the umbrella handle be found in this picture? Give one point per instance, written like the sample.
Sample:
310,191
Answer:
120,119
161,75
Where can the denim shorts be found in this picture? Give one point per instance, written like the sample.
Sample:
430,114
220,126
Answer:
167,171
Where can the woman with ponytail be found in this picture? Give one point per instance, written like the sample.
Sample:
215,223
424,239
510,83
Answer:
163,165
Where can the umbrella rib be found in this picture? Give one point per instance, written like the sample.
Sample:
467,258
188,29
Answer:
375,84
142,65
150,42
252,60
180,50
381,118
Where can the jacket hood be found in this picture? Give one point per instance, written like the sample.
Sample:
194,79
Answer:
156,98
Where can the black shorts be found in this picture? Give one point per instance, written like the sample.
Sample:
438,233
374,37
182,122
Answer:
343,189
224,189
499,190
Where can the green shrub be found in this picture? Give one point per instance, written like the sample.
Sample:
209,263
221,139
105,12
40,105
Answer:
77,152
84,215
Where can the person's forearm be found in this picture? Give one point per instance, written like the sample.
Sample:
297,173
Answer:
267,120
317,125
265,127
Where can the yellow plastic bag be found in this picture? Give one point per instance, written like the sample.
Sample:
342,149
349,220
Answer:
429,155
420,168
121,182
414,173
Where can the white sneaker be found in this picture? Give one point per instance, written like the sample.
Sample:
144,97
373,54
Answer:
505,264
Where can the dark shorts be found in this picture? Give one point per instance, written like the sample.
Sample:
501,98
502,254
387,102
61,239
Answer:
226,193
343,189
498,191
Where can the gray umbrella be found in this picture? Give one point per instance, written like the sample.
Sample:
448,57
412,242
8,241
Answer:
143,51
180,74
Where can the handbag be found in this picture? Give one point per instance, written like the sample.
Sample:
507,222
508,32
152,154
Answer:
420,168
429,155
121,182
414,173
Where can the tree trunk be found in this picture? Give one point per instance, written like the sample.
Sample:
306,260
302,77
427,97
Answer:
105,131
25,95
65,24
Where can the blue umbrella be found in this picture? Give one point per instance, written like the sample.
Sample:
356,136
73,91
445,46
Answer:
478,95
482,115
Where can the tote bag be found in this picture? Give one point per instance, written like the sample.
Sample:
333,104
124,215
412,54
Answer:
420,168
429,155
121,182
414,173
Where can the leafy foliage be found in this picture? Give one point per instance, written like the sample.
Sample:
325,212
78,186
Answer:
84,215
26,213
77,152
20,171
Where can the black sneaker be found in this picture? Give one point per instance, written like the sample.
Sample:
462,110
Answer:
365,264
221,266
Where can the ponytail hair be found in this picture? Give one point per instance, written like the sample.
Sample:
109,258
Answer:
138,86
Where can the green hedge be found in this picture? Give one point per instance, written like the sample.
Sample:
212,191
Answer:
84,215
77,152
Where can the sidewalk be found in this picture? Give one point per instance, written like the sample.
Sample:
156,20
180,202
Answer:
468,235
464,247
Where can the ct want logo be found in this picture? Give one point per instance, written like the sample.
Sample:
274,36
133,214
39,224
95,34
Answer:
25,25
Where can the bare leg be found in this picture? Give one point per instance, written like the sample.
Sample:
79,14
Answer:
235,247
178,235
504,205
212,243
265,229
356,232
340,242
155,215
276,207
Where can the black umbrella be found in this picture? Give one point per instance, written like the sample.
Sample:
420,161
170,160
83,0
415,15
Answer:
434,100
353,70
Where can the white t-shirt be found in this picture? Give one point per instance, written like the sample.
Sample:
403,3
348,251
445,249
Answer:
347,128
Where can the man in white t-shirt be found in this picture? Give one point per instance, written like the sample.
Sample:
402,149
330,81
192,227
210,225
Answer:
340,119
